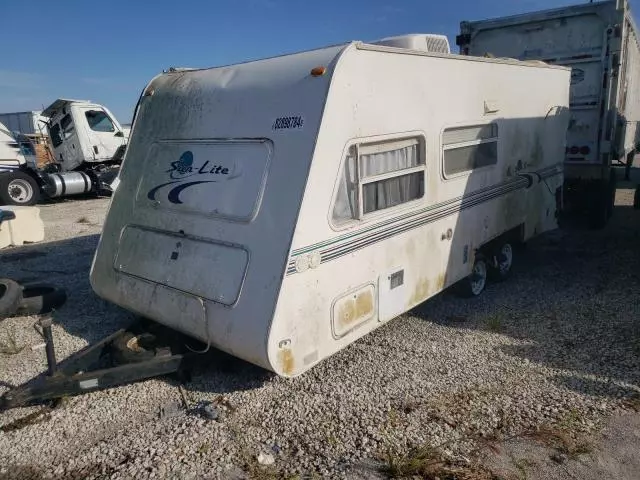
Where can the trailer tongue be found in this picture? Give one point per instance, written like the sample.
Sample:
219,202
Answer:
129,355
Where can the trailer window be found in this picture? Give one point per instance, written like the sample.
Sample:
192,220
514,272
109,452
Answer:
99,121
385,175
468,148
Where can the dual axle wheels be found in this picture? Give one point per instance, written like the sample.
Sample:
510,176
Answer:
494,264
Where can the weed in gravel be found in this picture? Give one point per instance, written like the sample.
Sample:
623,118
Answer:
83,220
332,440
9,346
429,463
633,403
204,448
562,441
522,465
571,420
494,323
255,471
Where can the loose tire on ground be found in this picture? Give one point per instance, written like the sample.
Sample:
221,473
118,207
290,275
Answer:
18,188
40,298
10,295
132,348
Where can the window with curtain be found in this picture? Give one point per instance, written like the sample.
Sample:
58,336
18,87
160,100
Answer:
468,148
386,174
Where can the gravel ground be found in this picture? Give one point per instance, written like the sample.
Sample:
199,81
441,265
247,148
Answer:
559,343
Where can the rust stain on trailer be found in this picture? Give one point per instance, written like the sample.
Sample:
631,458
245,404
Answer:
286,361
420,292
425,288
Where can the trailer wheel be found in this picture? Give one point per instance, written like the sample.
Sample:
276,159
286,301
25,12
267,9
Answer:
132,348
40,298
18,188
473,285
501,262
10,294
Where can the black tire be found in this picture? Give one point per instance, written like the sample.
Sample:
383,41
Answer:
10,295
468,287
601,205
613,181
40,298
501,261
18,188
132,348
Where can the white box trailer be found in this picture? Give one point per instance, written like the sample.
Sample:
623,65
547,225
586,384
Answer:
280,209
599,42
26,123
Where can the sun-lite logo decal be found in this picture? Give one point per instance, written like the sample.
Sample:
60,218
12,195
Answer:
185,168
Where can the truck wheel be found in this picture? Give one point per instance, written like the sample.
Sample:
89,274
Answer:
502,261
612,193
474,284
601,205
10,294
18,188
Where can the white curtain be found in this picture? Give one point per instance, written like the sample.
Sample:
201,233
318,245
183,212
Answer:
392,191
390,161
346,206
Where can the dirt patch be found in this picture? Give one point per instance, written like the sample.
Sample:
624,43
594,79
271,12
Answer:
612,454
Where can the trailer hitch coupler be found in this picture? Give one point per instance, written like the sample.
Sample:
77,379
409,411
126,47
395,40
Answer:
45,323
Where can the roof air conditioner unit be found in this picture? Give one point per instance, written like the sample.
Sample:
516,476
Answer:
418,41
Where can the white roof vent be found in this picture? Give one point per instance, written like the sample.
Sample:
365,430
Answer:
418,41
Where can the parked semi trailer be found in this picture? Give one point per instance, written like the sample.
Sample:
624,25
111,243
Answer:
599,42
88,146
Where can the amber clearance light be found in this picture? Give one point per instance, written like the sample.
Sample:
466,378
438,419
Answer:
318,71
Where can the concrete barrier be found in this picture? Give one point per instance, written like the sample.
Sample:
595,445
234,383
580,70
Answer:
27,227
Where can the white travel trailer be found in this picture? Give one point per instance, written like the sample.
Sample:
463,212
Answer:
280,209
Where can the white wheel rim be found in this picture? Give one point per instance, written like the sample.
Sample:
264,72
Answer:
478,277
20,191
505,258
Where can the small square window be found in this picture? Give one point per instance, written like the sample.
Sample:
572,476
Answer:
468,148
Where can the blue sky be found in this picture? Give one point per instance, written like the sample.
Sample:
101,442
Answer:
107,51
